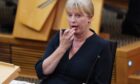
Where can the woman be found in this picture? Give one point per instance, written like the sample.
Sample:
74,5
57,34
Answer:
72,52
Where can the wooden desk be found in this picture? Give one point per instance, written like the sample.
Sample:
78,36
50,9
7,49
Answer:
21,49
127,62
134,79
8,72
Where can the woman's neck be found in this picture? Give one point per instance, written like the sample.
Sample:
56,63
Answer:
82,37
78,42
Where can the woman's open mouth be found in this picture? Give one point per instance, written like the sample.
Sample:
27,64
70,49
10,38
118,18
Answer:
75,27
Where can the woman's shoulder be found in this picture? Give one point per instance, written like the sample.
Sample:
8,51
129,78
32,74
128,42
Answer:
98,39
103,42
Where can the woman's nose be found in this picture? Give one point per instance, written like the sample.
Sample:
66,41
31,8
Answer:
73,19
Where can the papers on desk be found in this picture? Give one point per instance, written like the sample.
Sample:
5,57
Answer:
8,72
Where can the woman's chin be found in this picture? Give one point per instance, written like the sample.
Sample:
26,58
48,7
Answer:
76,32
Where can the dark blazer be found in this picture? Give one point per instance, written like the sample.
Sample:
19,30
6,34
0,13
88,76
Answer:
76,69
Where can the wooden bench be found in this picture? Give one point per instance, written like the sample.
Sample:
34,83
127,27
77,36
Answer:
127,62
134,79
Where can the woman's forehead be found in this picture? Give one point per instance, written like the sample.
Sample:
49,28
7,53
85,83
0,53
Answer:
75,10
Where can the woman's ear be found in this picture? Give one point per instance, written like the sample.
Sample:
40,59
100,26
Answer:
89,19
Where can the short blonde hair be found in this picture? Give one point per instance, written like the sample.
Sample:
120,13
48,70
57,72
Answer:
83,6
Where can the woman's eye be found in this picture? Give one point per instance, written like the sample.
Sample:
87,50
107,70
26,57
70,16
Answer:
78,15
69,15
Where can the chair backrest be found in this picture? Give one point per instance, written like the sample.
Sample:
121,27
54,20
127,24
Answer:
113,47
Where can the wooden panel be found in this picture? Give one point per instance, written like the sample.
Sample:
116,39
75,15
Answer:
26,58
23,31
5,53
135,60
134,79
127,62
60,20
96,22
25,53
33,16
121,68
8,39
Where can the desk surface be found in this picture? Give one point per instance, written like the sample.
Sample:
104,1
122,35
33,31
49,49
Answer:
134,79
8,72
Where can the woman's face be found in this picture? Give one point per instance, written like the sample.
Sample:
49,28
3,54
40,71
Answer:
79,21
